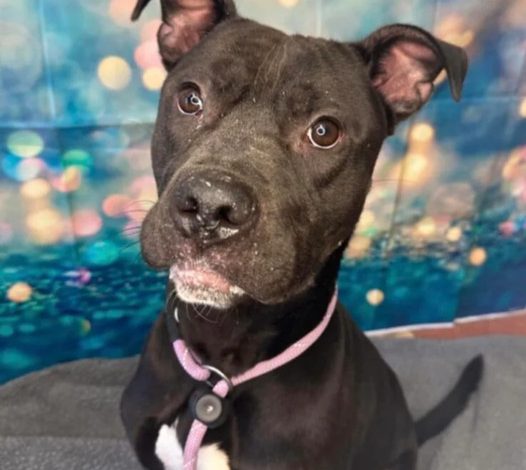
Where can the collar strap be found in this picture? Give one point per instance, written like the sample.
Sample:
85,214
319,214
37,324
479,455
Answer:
202,373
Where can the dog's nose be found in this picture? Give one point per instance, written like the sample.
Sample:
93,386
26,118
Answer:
212,208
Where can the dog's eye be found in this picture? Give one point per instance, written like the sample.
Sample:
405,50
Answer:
325,133
190,102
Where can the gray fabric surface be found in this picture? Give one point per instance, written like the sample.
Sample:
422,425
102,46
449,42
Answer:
66,418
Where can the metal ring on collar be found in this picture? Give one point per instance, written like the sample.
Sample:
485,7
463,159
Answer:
220,374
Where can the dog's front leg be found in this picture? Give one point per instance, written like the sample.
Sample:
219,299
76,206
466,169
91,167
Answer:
154,396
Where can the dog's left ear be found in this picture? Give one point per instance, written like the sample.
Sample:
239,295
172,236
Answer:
185,22
404,60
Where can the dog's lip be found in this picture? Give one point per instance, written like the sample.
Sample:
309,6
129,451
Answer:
201,277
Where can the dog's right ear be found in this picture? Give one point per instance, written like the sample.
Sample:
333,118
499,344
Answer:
404,61
185,22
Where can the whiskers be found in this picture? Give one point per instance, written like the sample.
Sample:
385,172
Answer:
133,209
170,300
202,311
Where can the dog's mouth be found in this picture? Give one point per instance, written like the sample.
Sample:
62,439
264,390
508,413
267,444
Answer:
200,285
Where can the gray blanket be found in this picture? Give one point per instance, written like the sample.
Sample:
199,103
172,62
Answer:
65,418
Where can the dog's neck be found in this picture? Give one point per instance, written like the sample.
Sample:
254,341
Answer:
235,339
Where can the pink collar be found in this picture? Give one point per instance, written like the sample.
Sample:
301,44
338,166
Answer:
220,390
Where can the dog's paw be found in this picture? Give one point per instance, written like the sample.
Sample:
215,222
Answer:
212,458
168,449
170,453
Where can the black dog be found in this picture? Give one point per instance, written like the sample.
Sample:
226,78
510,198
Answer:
263,153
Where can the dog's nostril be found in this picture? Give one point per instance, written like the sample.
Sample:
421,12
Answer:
189,205
237,213
223,213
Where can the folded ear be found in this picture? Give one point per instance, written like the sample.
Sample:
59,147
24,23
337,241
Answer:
403,63
185,22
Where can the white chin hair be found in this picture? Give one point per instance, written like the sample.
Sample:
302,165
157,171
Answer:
202,296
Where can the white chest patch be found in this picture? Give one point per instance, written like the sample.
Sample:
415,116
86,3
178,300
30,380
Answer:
170,453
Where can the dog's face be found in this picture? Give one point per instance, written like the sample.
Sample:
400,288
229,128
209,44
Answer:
265,145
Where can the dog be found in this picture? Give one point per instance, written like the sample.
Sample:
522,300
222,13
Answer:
263,152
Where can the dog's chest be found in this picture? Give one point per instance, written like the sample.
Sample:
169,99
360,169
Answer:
170,452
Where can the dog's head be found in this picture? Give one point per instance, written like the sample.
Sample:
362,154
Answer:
265,145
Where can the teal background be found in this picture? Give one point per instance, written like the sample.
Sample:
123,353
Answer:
443,234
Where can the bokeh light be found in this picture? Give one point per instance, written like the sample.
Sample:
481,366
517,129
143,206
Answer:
507,228
85,222
101,253
19,292
37,188
78,277
454,234
78,158
120,11
522,108
25,144
358,246
417,169
422,132
153,78
453,29
478,256
515,166
375,297
147,55
366,220
21,169
70,180
115,205
114,73
45,226
85,326
426,227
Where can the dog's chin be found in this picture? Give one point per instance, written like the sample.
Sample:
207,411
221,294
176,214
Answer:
196,285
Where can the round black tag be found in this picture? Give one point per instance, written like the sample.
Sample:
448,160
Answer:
208,408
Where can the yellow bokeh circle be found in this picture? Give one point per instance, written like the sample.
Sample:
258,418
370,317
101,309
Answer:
153,78
375,297
422,132
426,227
478,256
454,234
19,292
45,226
114,73
35,189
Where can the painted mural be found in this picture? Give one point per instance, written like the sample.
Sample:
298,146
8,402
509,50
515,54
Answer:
443,234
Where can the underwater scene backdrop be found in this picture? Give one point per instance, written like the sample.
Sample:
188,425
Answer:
443,234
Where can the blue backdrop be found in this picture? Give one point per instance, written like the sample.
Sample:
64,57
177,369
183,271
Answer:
443,234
